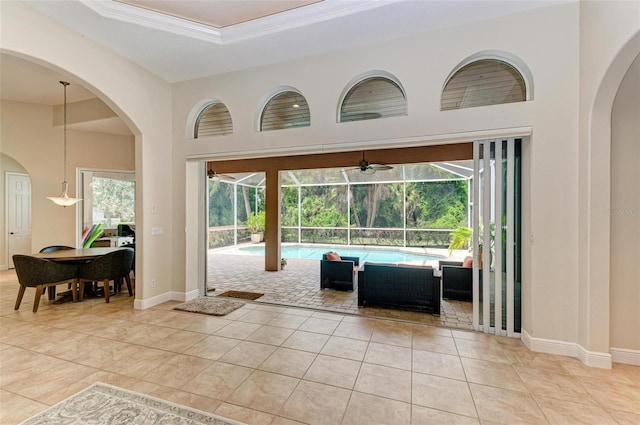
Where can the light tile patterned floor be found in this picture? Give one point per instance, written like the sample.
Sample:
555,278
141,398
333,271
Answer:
299,285
269,365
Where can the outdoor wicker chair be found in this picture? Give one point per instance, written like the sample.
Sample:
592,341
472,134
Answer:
457,280
338,272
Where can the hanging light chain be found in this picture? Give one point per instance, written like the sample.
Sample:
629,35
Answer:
64,129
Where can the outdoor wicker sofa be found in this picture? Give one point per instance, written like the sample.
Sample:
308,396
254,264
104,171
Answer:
399,286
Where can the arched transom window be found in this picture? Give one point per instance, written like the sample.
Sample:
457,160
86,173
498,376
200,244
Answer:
214,120
371,98
481,83
285,110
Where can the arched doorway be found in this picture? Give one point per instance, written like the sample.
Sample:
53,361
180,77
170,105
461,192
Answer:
595,263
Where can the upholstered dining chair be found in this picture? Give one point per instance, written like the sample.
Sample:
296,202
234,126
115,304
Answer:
54,248
113,266
40,274
133,264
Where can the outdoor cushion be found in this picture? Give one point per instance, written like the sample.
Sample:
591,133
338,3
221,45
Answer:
333,256
467,262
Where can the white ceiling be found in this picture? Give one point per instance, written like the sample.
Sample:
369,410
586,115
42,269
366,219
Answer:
177,49
220,13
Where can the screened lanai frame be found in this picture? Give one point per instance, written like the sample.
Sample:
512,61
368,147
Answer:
350,178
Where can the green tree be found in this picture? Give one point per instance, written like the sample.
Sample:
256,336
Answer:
220,204
116,199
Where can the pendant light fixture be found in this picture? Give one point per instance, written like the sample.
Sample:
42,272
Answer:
64,200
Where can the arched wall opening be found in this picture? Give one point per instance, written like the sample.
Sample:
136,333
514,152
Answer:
52,224
624,215
596,313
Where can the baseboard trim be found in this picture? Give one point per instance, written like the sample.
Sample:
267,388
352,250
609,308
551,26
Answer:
151,302
563,348
594,358
163,298
4,267
184,296
626,356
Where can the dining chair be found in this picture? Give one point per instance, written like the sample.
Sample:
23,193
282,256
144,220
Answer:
54,248
133,264
113,266
41,274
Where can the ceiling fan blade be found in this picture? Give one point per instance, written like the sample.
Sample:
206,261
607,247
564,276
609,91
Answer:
215,176
368,171
381,167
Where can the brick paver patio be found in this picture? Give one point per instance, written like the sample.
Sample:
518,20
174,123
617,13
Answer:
299,285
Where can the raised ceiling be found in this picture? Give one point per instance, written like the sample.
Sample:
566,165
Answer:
220,13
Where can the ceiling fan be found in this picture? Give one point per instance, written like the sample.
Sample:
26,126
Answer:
217,177
366,168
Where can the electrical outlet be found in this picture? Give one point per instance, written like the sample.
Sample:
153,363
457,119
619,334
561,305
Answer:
153,283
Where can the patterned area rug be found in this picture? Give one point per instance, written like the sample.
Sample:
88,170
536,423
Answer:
210,305
241,294
103,404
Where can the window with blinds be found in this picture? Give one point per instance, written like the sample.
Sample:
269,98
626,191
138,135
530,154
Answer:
214,120
285,110
482,83
371,98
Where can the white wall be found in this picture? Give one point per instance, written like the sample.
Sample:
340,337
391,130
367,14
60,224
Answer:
143,101
422,64
625,213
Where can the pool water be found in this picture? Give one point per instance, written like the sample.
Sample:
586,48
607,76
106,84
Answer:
369,255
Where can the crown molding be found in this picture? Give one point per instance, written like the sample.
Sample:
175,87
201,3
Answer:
295,18
148,18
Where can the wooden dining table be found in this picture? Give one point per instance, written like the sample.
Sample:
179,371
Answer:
78,254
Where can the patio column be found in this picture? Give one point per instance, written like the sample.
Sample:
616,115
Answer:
272,222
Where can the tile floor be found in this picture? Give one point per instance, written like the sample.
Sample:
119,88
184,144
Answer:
298,285
283,366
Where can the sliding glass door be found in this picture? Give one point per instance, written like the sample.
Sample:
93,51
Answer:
497,236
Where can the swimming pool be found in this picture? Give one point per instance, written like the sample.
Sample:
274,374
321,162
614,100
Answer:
371,255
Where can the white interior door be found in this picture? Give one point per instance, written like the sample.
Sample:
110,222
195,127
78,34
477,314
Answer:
18,215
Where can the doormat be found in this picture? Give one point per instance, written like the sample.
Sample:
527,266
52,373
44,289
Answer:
102,404
210,305
241,294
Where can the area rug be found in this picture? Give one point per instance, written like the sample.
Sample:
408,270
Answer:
210,305
241,294
102,404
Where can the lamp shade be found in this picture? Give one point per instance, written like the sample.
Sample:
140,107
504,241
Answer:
64,200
